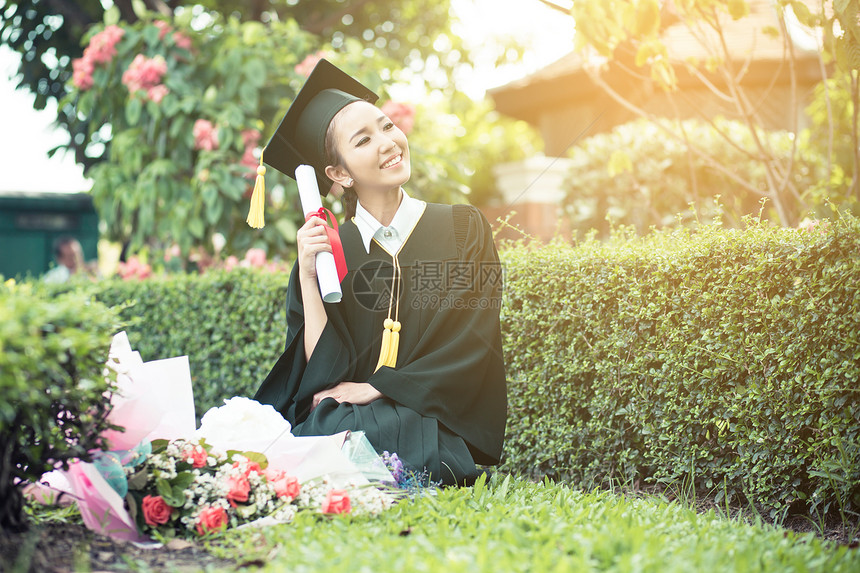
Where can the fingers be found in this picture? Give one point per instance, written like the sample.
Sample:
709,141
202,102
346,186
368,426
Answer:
311,239
314,230
320,396
313,245
313,227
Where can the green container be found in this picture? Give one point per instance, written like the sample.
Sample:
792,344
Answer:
29,223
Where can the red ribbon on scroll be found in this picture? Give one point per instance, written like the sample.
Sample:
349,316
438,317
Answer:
334,239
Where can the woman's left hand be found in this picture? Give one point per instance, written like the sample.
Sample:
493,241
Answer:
352,392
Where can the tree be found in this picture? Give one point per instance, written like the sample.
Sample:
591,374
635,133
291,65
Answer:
836,109
176,112
49,34
169,106
626,38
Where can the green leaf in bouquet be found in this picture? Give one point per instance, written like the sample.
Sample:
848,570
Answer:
256,457
134,500
183,480
132,506
159,445
177,497
138,479
246,511
162,486
174,496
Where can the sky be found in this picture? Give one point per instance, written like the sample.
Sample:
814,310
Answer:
28,134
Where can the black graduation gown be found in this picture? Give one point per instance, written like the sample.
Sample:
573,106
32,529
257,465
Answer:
444,404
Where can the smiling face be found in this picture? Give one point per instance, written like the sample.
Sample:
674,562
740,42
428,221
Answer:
372,151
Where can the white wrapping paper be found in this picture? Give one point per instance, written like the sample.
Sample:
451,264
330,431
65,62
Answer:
241,424
153,399
309,193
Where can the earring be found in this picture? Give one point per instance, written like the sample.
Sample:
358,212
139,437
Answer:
349,183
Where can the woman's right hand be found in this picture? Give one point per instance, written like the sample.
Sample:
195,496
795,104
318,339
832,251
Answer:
310,240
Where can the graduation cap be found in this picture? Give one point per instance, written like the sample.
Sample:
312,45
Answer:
300,138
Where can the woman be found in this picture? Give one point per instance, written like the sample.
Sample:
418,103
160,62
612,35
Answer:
412,354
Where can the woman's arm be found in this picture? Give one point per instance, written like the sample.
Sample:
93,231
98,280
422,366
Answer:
311,239
352,392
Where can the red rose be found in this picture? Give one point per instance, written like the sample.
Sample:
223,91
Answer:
337,501
196,456
287,486
272,474
238,490
211,519
155,510
249,465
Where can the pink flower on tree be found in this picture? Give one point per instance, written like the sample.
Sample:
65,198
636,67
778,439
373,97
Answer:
307,65
230,263
100,50
102,46
250,137
254,258
157,93
144,73
205,135
401,114
82,76
163,28
134,269
180,39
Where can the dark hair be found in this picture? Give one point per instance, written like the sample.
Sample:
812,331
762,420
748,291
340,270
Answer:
332,157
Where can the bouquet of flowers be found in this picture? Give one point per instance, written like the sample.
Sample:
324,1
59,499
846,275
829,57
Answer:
243,466
186,488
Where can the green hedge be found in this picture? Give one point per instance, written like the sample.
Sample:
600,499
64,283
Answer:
731,358
723,356
52,355
231,325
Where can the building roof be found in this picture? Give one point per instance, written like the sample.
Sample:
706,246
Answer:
565,81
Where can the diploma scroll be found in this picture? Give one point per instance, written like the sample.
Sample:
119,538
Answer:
309,193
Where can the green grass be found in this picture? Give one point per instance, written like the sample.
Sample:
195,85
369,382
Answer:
516,525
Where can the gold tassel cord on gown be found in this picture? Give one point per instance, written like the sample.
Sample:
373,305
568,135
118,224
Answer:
256,218
391,334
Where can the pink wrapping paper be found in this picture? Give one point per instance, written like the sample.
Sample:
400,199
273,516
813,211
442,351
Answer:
155,400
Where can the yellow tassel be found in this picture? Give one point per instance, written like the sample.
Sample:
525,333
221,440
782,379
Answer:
391,334
386,344
394,347
256,219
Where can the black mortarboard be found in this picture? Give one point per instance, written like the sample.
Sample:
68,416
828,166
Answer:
300,138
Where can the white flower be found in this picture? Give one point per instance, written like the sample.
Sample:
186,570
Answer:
242,424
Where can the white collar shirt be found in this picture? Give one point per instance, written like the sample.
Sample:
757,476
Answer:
392,237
